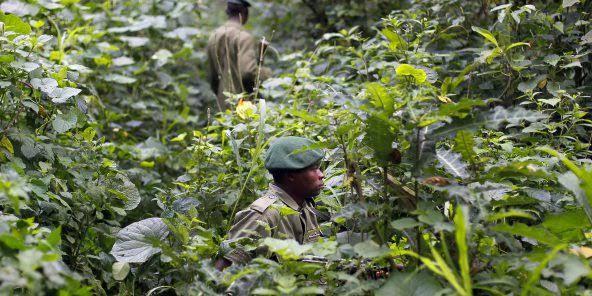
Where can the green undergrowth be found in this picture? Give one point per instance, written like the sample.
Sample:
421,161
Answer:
457,133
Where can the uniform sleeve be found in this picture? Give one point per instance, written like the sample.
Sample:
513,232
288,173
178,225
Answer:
249,225
248,61
212,71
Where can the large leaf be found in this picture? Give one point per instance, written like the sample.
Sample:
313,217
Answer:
452,163
538,233
422,150
46,85
410,284
419,76
485,33
286,249
120,270
464,144
139,241
14,23
183,205
396,41
495,119
584,176
370,249
380,98
61,95
64,122
569,225
513,117
379,137
124,189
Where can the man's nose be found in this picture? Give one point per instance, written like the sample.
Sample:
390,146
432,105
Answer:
320,174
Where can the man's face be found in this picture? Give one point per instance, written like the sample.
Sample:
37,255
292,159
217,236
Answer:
308,182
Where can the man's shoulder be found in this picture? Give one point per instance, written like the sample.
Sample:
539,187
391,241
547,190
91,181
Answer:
262,204
230,29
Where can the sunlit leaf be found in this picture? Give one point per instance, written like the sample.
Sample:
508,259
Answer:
419,75
486,34
137,242
452,163
120,270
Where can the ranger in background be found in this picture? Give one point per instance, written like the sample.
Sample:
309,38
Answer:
296,180
235,58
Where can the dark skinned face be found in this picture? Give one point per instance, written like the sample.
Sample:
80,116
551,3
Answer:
306,183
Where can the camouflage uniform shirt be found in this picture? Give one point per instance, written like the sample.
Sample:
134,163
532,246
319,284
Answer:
233,58
264,219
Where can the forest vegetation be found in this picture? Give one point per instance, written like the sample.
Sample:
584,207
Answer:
457,135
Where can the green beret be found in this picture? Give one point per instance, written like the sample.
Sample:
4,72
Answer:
286,153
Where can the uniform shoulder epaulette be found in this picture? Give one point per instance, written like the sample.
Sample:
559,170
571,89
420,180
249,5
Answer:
262,203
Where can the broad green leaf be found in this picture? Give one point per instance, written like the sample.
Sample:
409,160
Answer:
540,234
6,58
117,78
64,122
162,57
485,33
370,249
396,41
46,85
380,98
410,284
120,270
6,144
311,290
127,191
568,225
14,24
122,61
552,59
583,175
137,242
264,291
513,116
452,163
310,117
185,204
418,75
285,210
55,237
12,242
379,137
461,109
61,95
404,223
288,249
464,144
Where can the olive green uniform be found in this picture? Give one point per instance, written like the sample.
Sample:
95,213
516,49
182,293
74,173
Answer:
233,58
264,219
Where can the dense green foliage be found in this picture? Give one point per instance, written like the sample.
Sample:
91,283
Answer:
458,136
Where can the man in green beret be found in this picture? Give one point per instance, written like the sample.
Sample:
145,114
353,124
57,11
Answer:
297,178
235,58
